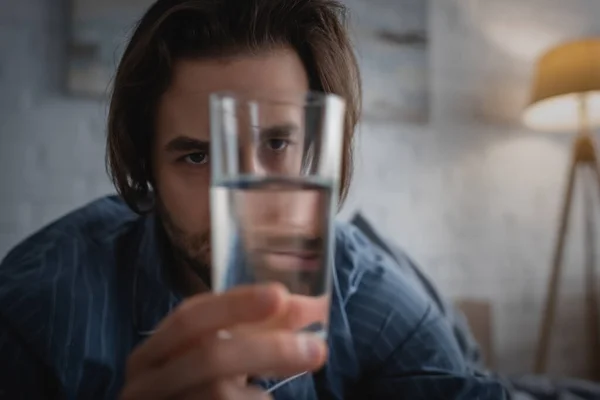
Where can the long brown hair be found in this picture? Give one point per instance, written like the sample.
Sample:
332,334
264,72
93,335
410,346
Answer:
172,30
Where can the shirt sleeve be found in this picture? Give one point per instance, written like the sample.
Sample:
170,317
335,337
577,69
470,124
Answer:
428,365
404,347
21,375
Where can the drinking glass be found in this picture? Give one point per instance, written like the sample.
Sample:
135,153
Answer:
275,177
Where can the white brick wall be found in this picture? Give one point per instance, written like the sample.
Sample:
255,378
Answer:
472,198
51,147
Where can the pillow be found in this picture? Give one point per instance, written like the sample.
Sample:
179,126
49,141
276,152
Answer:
467,344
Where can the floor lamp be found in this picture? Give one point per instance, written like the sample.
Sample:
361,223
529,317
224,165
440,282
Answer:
566,98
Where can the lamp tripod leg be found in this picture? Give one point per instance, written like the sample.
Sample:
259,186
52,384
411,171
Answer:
552,293
591,275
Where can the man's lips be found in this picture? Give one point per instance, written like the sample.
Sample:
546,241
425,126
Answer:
293,261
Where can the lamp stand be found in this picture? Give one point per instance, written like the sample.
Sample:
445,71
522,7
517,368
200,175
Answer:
583,157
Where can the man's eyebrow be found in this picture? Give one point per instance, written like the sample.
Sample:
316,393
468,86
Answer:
183,144
279,131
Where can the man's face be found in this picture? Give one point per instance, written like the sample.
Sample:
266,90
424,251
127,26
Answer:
181,164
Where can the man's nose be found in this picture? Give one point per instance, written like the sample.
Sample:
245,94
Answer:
249,160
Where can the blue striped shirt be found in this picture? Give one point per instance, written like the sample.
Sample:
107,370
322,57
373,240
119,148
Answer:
79,295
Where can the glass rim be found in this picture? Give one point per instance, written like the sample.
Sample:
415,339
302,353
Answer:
309,98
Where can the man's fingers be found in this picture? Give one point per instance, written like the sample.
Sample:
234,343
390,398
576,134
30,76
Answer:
203,315
299,312
276,353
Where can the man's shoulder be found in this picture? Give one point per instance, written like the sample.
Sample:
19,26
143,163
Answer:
81,240
384,326
58,277
60,288
378,298
96,222
363,268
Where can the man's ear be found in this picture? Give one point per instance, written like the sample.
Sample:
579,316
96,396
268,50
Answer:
147,201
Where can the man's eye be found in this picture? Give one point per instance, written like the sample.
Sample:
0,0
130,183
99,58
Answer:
196,158
277,144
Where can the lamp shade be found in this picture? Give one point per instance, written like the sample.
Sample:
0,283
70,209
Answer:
563,75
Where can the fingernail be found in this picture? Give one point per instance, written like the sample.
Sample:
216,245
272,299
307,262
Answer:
310,346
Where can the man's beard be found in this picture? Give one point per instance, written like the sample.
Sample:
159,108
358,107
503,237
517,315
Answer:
188,250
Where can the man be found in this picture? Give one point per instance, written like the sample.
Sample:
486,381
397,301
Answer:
112,301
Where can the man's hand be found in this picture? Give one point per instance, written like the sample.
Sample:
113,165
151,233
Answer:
187,359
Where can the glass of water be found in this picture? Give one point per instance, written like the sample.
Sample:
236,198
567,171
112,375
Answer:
275,177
